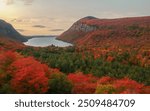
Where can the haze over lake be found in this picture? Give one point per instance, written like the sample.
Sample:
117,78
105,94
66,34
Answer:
46,41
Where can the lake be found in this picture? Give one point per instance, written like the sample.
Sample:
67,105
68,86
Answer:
46,41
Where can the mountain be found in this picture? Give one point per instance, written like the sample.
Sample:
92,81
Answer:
8,31
78,30
121,31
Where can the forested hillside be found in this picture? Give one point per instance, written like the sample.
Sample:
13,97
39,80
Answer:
108,56
117,32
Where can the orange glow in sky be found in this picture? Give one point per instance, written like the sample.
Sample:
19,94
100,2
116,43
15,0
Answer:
52,17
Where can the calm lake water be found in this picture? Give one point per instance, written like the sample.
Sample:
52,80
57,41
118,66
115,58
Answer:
46,41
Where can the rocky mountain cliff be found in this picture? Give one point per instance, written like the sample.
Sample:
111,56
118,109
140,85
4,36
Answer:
78,29
83,27
8,31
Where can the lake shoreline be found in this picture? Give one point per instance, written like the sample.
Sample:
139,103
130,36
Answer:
65,41
44,41
40,36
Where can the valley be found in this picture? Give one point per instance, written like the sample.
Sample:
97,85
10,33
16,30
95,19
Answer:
108,56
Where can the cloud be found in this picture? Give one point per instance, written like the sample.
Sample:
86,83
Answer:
26,2
9,2
20,30
17,20
56,30
39,26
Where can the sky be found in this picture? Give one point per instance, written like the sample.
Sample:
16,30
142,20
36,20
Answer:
52,17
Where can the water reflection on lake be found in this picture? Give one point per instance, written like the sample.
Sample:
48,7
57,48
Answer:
46,41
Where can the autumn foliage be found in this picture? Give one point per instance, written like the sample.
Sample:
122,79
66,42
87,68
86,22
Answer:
82,84
29,76
118,86
6,59
20,74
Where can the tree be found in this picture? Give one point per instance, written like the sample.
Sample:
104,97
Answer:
29,76
6,59
82,84
107,85
105,89
59,84
128,86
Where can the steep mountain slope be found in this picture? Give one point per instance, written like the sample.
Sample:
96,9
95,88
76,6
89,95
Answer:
97,32
78,30
7,31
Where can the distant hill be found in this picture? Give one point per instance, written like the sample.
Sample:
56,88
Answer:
122,31
8,31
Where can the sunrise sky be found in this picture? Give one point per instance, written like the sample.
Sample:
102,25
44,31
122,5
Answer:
52,17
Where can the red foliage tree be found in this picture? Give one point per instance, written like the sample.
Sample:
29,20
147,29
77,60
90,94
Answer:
145,90
105,80
110,59
128,86
29,76
120,86
6,58
82,84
